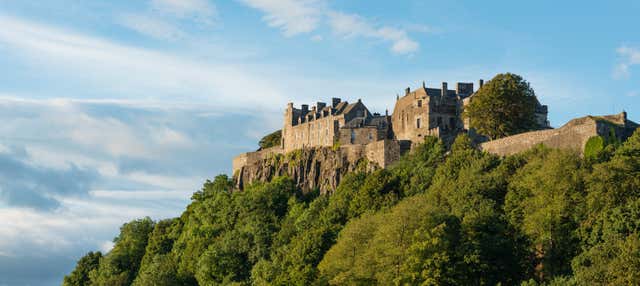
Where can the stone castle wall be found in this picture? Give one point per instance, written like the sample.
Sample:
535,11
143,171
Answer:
572,136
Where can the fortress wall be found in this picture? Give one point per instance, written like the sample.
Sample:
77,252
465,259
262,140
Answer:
383,152
572,136
249,158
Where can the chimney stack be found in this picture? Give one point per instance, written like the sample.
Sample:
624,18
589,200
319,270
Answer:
407,90
480,83
335,101
444,89
305,109
321,105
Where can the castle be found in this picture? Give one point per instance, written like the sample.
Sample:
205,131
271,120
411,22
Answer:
380,138
333,139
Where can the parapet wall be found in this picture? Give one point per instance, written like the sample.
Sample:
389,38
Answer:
572,136
248,158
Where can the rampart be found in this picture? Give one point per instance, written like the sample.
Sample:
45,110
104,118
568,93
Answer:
572,136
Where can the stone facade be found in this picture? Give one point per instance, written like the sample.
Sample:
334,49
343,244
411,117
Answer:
325,126
429,112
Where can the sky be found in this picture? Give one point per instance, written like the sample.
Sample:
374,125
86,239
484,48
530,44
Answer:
117,110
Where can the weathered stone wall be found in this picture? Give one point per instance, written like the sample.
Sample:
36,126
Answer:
572,136
248,158
360,135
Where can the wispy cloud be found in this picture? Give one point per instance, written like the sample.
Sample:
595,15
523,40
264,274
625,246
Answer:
352,25
165,19
627,58
201,10
126,70
151,26
297,17
291,16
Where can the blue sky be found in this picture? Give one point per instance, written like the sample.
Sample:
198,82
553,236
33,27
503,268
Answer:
115,110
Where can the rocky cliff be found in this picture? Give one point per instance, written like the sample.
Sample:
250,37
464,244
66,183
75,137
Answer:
310,168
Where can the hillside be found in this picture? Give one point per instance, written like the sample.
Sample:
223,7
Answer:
463,217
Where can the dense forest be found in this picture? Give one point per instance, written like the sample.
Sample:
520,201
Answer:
437,217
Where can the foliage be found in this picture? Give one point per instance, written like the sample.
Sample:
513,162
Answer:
120,266
543,217
270,140
80,275
504,106
594,146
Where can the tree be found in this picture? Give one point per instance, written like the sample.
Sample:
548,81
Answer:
270,140
544,202
80,275
504,106
120,266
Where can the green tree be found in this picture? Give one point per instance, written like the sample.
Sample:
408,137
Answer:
504,106
611,230
545,202
158,264
120,266
270,140
80,275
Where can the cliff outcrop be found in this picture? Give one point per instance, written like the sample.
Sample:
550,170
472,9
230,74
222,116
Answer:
309,168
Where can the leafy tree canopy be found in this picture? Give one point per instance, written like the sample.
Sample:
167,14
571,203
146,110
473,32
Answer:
504,106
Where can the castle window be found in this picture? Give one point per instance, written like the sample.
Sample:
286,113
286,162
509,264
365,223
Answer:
370,136
419,103
418,123
353,136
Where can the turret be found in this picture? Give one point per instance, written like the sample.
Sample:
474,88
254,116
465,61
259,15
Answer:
444,89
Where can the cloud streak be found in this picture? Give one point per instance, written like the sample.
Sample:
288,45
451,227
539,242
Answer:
306,16
125,70
352,25
627,58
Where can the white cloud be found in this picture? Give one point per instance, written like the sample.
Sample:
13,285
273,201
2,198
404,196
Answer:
291,16
125,71
151,26
203,10
305,16
352,25
627,57
633,93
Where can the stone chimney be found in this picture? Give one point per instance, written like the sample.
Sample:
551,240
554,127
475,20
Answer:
480,83
407,90
335,101
320,105
305,109
444,89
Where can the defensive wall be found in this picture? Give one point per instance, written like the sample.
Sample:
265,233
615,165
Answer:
571,136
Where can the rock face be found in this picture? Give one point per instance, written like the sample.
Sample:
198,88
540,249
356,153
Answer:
310,168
